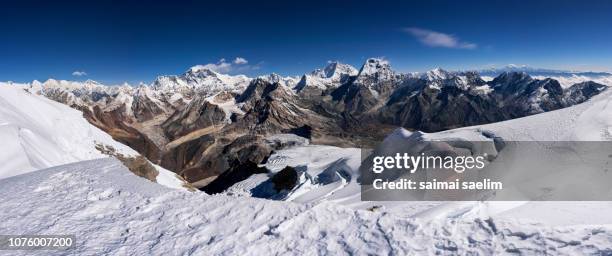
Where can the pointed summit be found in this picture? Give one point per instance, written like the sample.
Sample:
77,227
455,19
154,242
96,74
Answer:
200,71
375,66
276,78
333,75
375,70
336,70
437,74
202,80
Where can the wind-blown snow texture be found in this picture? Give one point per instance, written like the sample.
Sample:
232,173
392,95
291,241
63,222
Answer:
113,212
39,133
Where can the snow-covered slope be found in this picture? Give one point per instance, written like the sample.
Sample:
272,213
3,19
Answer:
39,133
113,212
589,121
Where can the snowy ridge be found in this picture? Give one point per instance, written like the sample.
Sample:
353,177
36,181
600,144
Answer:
289,82
39,133
539,71
332,76
567,81
375,69
202,80
436,74
127,215
589,121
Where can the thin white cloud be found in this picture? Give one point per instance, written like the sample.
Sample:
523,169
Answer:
240,61
437,39
222,66
79,73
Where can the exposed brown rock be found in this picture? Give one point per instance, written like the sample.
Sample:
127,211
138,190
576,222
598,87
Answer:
136,164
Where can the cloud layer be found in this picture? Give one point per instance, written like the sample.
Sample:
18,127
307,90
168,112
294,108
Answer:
437,39
240,61
239,64
79,73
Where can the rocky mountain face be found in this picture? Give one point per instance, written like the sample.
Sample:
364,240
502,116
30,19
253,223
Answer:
212,128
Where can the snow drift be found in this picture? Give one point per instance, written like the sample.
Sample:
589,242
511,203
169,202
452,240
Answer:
111,211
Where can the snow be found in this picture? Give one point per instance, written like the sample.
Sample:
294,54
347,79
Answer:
168,178
111,211
332,76
487,78
329,174
335,72
289,82
229,107
437,74
282,139
567,81
374,66
588,121
39,133
485,89
203,80
121,99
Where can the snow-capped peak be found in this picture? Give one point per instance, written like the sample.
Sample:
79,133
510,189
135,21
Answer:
375,65
333,75
335,70
201,70
437,74
89,85
375,70
276,78
201,79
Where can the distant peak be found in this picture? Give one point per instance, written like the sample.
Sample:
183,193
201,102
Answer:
335,68
201,69
376,61
513,76
93,82
437,74
374,65
515,66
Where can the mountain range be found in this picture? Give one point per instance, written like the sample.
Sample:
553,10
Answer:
211,128
495,71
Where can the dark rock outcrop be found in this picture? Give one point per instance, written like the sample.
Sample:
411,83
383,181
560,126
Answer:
236,173
285,180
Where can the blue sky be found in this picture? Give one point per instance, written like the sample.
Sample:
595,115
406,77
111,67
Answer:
137,41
